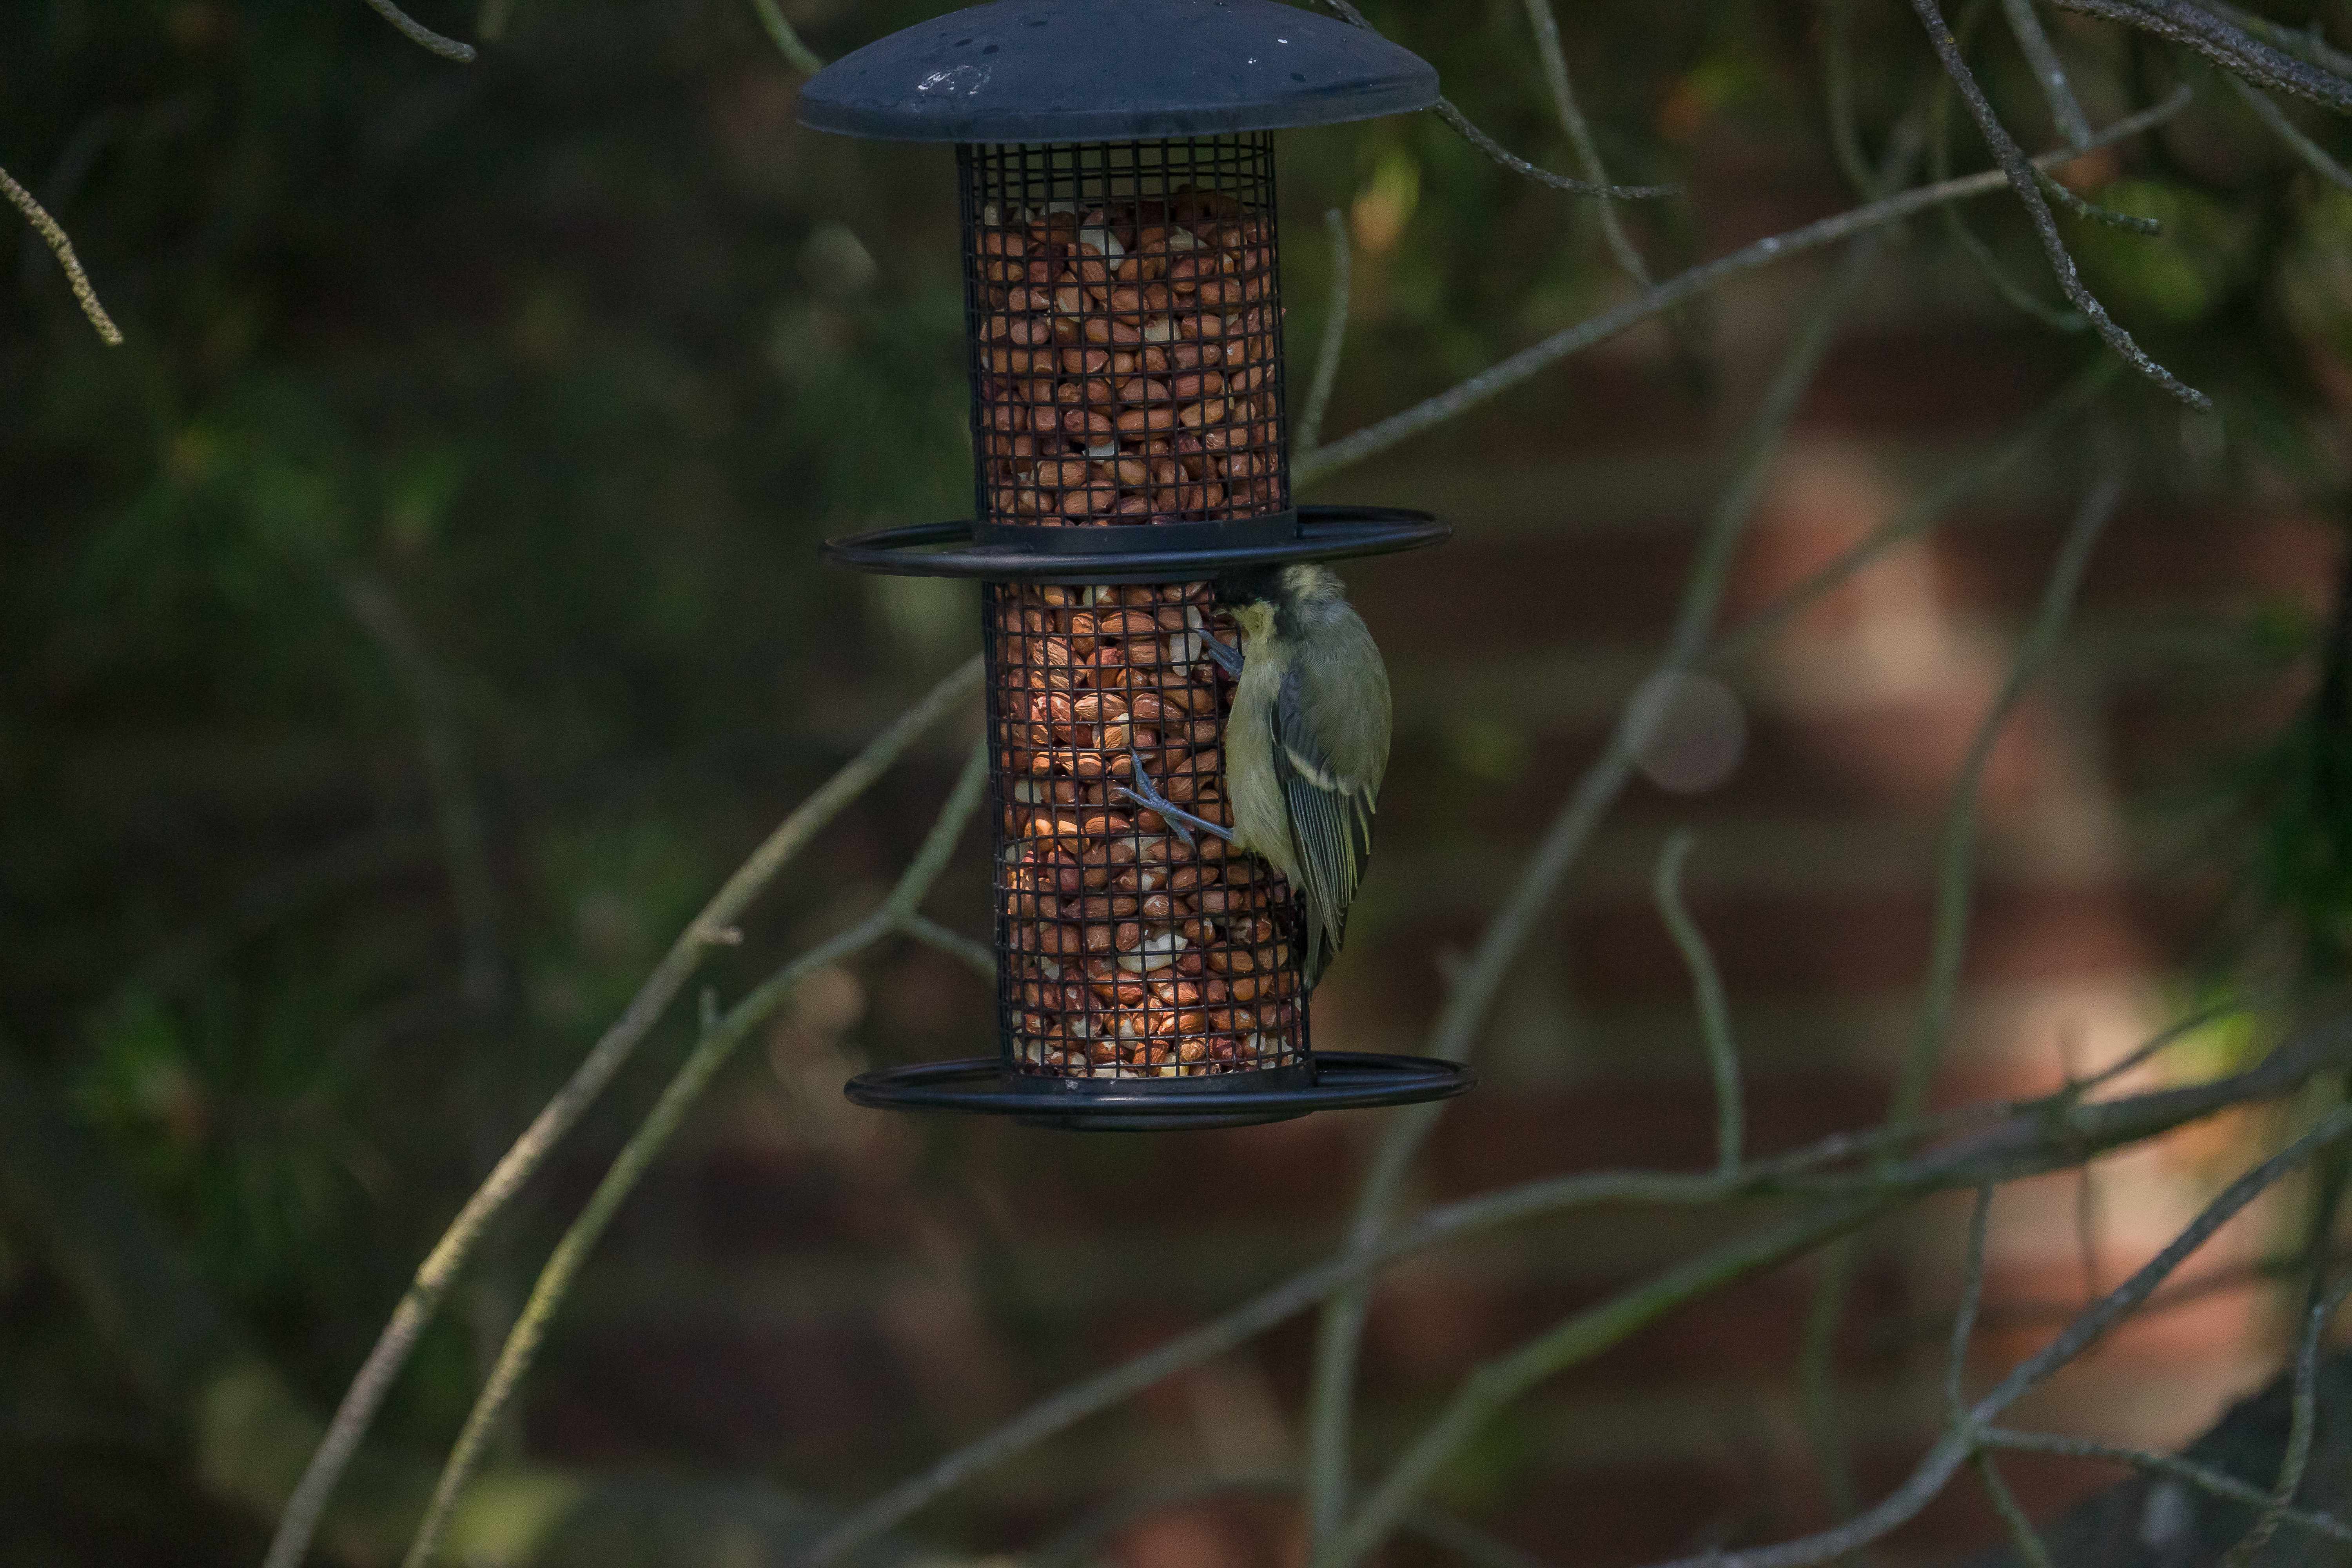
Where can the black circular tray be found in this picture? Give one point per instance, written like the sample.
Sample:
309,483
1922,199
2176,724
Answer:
1341,1080
1135,553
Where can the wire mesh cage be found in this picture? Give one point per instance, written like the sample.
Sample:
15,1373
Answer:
1124,311
1123,950
1124,322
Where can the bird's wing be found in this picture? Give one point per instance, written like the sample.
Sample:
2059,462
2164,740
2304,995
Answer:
1330,822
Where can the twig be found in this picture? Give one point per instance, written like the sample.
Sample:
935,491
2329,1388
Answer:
1554,59
2020,1524
1950,1452
1914,520
645,1145
2084,208
2227,46
977,956
788,42
2049,73
1474,988
1954,885
2023,181
2307,44
611,1052
423,36
1964,1323
2287,130
1837,84
1600,328
2302,1423
457,809
62,249
1714,1011
2030,1139
1582,1336
1955,879
1452,114
1078,1544
1335,336
2204,1477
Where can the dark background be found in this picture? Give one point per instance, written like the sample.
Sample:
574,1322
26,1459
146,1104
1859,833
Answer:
402,634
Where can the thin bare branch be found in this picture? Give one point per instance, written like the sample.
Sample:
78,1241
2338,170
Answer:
653,1134
1473,987
2204,1477
1956,1360
1452,114
62,249
2023,180
1600,328
1955,888
1950,1452
1714,1011
1954,879
788,42
423,36
1335,336
2302,1423
1837,82
440,1269
456,806
2049,73
2027,1139
2226,44
2305,43
976,956
2287,130
1554,57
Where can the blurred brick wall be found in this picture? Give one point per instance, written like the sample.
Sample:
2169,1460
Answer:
836,1297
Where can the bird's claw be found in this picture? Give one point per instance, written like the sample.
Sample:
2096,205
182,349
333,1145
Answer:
1228,658
1146,794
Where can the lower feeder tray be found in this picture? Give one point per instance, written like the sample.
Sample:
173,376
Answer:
1329,1080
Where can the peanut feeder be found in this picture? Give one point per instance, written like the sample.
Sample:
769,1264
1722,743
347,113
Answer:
1130,442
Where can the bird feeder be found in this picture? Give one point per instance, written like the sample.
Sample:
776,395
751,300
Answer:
1123,316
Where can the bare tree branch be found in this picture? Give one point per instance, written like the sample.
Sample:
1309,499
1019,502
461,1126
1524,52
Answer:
2049,73
611,1053
1714,1011
1600,328
718,1041
2226,44
423,36
62,249
1335,336
788,42
2287,130
2021,179
2170,1465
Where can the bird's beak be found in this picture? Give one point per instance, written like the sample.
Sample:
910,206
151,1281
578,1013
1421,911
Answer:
1228,658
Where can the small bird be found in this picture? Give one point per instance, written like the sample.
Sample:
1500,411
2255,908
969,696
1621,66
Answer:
1306,744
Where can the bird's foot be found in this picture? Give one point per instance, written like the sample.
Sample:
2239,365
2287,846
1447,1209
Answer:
1228,658
1147,794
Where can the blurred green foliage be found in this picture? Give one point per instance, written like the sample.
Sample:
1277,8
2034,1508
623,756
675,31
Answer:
573,355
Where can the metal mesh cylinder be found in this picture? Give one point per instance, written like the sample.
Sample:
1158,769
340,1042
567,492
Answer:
1126,331
1122,952
1126,369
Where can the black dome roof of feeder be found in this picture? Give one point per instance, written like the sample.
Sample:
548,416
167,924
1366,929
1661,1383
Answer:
1104,71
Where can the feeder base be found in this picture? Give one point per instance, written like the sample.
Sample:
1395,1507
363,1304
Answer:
1336,1080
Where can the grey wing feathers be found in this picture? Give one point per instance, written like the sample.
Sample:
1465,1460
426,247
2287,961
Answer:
1330,826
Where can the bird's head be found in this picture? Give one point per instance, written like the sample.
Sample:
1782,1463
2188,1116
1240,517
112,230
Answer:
1271,600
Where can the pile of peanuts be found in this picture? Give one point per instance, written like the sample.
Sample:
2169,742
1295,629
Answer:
1128,955
1125,362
